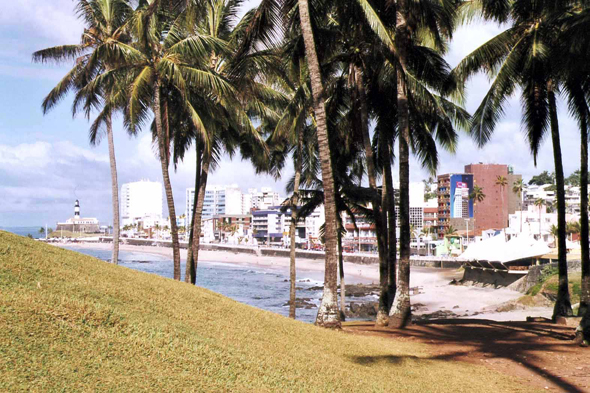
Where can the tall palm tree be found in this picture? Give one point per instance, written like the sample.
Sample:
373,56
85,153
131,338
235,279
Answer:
104,21
414,21
526,55
328,314
502,182
540,202
164,59
517,188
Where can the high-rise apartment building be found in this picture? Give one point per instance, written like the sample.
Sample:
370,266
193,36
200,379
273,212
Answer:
454,203
141,201
219,200
263,199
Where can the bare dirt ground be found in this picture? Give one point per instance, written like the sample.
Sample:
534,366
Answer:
540,353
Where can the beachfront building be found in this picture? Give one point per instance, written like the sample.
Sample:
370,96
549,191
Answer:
219,200
272,226
536,221
232,228
141,203
499,202
79,224
264,199
455,208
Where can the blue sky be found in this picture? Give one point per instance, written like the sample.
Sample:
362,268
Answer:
46,162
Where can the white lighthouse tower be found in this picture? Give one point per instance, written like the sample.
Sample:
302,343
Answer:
77,210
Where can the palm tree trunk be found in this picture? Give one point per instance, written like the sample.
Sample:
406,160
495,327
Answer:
198,216
584,243
563,305
382,313
293,227
389,197
400,313
114,190
190,275
341,272
167,185
328,315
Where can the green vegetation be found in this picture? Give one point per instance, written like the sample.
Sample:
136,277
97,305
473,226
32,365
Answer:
548,284
72,322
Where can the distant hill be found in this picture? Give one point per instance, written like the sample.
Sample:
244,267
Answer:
72,322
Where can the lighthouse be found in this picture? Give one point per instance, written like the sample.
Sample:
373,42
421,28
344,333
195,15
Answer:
77,210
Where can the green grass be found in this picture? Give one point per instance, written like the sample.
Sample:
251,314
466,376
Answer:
72,322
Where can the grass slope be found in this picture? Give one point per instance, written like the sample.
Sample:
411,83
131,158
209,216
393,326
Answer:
72,322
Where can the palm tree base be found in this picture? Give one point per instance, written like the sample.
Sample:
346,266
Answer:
328,313
401,312
382,319
562,308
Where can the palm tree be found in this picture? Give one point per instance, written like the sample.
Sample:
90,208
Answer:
517,188
328,314
166,63
526,55
105,21
554,231
502,182
540,202
413,22
450,231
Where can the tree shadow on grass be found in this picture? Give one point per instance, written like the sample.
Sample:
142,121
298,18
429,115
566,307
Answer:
520,342
392,359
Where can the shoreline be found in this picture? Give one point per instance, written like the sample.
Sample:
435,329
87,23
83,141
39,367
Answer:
432,297
361,273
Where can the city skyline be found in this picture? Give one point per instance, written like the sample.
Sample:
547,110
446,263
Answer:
46,161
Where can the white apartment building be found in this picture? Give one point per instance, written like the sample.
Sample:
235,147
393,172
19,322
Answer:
218,200
263,199
536,221
141,201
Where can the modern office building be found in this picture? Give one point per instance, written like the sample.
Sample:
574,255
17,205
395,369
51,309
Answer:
141,201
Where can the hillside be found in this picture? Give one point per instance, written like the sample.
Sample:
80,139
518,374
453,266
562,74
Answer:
72,322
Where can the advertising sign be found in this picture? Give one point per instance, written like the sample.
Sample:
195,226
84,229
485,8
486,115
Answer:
461,204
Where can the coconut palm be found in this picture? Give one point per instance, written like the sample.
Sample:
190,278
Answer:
526,55
517,188
450,231
104,21
328,314
576,53
167,63
502,182
540,203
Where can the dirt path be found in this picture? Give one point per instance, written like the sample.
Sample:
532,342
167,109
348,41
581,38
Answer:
540,353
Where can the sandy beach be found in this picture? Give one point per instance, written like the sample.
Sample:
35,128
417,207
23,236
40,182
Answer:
434,296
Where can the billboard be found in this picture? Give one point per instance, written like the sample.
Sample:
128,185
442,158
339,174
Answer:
461,204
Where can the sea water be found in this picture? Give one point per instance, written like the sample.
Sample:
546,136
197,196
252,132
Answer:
24,231
259,286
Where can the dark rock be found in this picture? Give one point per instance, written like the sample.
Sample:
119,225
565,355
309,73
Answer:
302,303
362,310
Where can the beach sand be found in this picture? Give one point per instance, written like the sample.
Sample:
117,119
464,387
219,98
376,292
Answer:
434,295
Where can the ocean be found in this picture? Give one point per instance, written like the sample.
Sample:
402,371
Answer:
24,231
263,287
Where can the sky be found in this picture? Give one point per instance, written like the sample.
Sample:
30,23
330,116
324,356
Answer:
46,162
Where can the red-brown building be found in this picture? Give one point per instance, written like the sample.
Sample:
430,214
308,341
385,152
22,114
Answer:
499,202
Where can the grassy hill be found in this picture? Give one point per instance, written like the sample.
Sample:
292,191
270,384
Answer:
72,322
